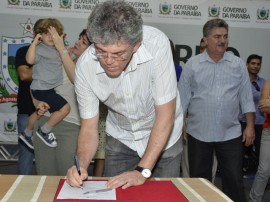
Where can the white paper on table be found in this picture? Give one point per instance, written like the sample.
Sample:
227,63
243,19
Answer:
68,192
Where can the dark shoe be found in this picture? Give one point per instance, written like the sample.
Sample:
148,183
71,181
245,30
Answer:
48,138
27,140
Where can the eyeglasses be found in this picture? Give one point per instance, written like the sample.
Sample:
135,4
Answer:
117,56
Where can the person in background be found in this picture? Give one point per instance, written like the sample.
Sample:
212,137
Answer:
202,46
47,75
178,68
254,66
62,157
25,107
263,172
213,87
130,69
79,47
184,161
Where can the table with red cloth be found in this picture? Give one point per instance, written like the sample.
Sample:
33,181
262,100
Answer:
26,188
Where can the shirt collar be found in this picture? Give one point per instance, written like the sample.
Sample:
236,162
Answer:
226,57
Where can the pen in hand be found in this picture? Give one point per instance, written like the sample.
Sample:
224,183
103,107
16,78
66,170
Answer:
76,161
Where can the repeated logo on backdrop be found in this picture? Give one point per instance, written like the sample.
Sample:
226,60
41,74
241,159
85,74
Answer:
183,11
13,2
213,11
197,12
9,77
10,45
238,13
66,4
165,9
263,14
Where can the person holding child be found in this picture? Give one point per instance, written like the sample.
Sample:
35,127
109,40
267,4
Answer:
59,159
47,75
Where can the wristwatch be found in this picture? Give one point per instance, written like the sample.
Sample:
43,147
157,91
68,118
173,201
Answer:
146,173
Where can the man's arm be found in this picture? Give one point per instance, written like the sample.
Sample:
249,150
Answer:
159,136
247,105
87,146
163,125
249,133
25,72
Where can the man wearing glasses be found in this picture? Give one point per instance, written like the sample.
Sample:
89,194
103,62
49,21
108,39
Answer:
130,69
213,87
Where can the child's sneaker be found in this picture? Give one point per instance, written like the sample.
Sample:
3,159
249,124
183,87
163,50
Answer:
48,138
27,140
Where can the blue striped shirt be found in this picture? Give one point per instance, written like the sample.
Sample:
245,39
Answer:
214,94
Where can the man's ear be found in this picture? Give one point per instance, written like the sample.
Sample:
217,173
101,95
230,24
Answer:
137,45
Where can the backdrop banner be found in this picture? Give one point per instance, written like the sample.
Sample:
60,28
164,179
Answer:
180,20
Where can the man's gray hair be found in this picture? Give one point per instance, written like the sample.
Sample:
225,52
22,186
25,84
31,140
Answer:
114,21
212,24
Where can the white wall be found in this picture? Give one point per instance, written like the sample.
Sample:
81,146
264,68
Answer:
247,36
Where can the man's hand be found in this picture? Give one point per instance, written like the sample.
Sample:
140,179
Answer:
74,179
248,136
126,179
184,135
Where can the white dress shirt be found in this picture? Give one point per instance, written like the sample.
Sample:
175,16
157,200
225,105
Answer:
148,80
